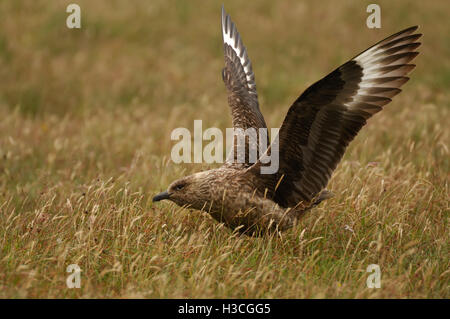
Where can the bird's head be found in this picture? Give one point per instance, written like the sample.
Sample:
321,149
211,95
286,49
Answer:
193,190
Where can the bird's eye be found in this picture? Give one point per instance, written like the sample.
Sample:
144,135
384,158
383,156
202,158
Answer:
179,186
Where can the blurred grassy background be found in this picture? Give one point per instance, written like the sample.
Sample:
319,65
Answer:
91,111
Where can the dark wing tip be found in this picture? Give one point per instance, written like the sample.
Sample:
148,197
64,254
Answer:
223,19
404,32
223,12
409,30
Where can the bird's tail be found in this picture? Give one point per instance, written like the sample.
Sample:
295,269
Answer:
325,194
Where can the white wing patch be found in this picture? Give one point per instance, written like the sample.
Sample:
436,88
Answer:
384,66
232,38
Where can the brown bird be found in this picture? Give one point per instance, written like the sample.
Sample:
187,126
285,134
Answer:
312,139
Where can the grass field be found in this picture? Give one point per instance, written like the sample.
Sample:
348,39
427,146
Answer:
85,123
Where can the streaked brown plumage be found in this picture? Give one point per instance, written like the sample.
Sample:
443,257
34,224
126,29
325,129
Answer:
312,140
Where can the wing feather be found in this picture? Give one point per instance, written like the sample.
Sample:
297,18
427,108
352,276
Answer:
328,115
239,80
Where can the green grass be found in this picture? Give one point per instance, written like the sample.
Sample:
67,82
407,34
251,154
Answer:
85,123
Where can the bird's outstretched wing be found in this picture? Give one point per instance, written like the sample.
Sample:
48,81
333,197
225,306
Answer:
328,115
240,83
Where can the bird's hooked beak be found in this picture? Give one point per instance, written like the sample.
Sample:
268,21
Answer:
161,196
